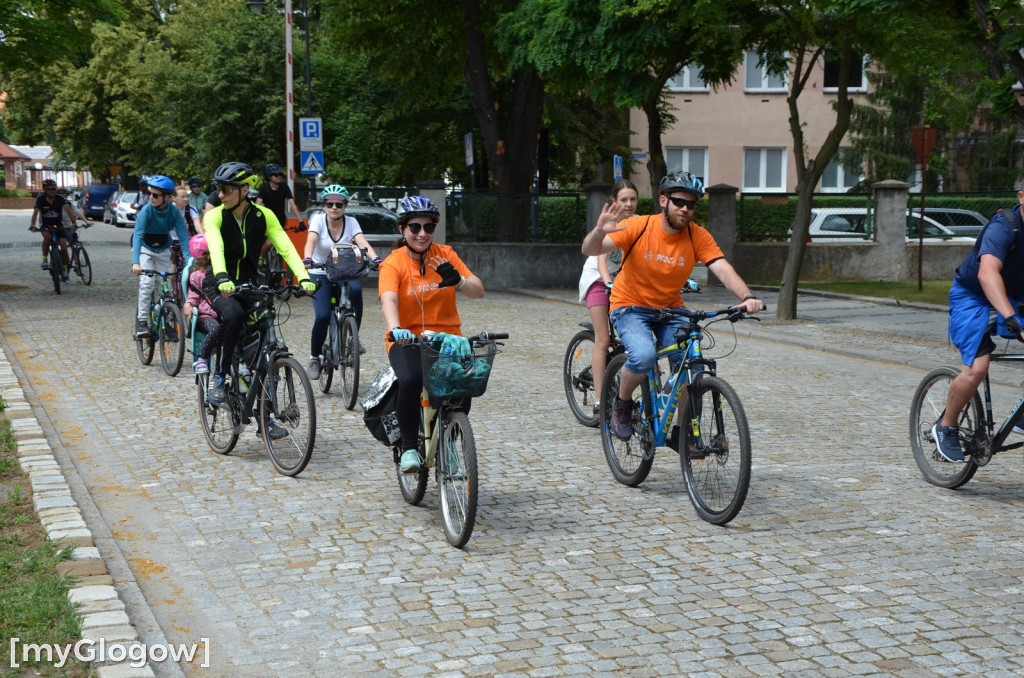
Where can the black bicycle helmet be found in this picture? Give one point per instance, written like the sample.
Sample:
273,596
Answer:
682,181
273,169
195,181
235,174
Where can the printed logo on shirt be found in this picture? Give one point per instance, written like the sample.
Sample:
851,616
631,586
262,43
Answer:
662,259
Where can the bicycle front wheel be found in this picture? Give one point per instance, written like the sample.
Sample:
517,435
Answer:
349,362
288,416
629,460
578,378
926,409
457,478
716,454
83,267
172,339
56,266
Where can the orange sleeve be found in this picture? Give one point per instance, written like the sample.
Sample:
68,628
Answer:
704,246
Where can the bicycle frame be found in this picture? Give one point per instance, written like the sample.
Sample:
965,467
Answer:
998,437
665,404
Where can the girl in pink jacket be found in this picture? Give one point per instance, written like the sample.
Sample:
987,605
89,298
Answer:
197,302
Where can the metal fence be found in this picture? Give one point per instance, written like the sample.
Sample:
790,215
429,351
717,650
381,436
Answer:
547,218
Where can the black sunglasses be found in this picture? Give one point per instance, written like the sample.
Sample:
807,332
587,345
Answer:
226,189
416,226
155,195
683,202
336,204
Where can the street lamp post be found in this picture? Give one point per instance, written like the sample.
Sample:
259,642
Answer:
256,6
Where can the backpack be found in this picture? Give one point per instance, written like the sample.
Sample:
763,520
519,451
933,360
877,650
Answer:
1015,224
379,408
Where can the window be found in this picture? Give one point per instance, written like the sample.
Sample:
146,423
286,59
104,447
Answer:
692,160
858,81
688,80
757,78
836,179
764,169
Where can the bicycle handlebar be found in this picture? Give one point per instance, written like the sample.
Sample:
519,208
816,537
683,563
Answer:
283,292
733,313
150,272
475,340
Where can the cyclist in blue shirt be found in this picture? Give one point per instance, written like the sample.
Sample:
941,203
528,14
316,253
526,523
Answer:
151,242
990,277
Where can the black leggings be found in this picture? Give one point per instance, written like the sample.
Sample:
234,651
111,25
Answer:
212,329
405,361
232,312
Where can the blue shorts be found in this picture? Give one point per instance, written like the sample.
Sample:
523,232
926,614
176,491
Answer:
637,327
970,317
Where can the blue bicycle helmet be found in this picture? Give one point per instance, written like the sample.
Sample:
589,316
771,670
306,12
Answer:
417,206
273,169
682,181
161,183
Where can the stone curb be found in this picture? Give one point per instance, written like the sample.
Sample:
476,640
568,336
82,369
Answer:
94,596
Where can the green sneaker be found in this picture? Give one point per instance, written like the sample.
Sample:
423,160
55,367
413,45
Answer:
411,461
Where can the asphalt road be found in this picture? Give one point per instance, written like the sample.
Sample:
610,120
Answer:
842,562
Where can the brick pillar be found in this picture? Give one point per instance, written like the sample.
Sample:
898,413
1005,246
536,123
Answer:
891,229
597,196
722,221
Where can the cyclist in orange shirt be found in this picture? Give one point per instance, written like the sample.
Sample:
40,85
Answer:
667,246
417,288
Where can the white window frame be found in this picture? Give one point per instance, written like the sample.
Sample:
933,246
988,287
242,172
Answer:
760,187
687,80
763,86
841,175
684,164
863,87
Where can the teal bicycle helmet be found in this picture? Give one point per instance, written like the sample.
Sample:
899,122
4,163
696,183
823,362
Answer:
334,191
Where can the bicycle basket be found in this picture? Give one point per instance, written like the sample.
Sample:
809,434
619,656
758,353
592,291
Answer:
449,376
347,266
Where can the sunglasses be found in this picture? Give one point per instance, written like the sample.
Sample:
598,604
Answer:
683,202
226,189
339,205
416,226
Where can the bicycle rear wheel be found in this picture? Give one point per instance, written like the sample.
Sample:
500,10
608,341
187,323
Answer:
578,378
144,346
412,485
629,460
172,339
926,409
219,423
457,478
716,454
288,416
329,353
56,266
83,267
349,362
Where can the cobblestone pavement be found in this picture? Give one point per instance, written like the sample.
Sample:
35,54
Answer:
842,562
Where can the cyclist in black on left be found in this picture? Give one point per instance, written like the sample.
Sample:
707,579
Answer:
49,210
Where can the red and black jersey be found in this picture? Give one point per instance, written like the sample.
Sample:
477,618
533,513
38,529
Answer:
50,212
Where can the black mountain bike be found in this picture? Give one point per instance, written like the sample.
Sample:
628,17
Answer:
266,384
578,377
54,259
80,263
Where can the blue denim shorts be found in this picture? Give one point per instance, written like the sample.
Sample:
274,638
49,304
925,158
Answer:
970,315
637,327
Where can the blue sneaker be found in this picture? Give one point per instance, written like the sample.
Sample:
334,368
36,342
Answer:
411,461
947,440
622,418
216,393
275,431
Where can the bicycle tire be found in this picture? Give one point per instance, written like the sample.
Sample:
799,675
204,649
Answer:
172,353
219,424
630,460
328,357
56,266
927,407
412,485
144,346
716,464
287,399
83,267
457,478
349,362
578,378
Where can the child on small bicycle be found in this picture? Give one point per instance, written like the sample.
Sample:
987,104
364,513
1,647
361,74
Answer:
326,230
197,302
417,289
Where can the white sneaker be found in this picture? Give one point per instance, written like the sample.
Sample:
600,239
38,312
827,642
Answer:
314,369
1018,430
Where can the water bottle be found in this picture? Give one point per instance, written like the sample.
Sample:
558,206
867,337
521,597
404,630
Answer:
670,383
244,377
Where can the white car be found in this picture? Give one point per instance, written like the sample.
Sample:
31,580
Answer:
853,224
128,206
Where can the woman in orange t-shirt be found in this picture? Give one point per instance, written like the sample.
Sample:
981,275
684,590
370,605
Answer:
417,288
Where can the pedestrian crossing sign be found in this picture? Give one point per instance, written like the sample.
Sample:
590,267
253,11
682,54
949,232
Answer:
311,162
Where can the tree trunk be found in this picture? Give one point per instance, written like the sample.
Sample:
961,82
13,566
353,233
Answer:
656,168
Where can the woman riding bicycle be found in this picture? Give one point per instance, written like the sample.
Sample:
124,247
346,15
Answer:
417,289
326,230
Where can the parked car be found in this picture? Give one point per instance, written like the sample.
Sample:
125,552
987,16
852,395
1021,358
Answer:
128,206
378,223
96,196
842,224
110,206
959,222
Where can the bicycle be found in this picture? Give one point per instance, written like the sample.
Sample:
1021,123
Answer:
80,263
55,262
978,436
166,326
577,375
263,368
445,427
712,438
341,352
